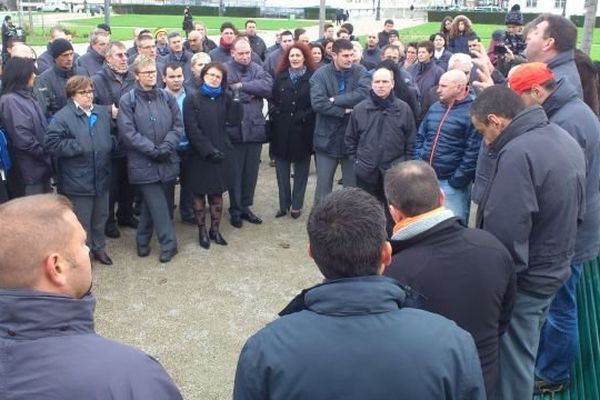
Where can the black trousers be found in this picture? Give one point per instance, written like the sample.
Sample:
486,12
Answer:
121,192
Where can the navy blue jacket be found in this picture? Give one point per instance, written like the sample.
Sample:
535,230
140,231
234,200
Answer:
456,149
50,351
82,150
532,198
91,62
354,340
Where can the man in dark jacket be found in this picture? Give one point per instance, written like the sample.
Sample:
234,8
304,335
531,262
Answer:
274,57
449,143
178,55
150,128
258,45
557,53
48,345
52,82
384,36
372,54
352,337
381,133
334,91
533,199
110,84
91,62
558,342
222,53
465,274
207,43
251,84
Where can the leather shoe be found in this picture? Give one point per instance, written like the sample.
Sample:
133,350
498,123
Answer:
296,213
102,257
250,217
280,214
203,238
216,236
143,251
165,256
130,223
236,222
112,231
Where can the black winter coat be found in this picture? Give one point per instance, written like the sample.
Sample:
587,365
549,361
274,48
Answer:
52,84
292,118
82,151
467,276
206,119
376,139
91,62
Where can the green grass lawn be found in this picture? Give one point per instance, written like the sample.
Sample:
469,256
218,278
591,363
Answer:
422,32
123,25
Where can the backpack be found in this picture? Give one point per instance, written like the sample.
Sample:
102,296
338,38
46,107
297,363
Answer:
5,161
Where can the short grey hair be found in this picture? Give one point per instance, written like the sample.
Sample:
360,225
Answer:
460,58
97,34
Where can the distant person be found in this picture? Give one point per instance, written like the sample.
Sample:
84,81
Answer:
460,32
92,61
384,35
352,337
207,43
222,53
441,54
162,43
48,317
188,21
45,60
256,43
371,55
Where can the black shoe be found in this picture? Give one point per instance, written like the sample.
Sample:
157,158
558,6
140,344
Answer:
296,213
129,223
250,217
216,236
102,257
143,251
111,231
236,222
189,221
541,387
165,256
280,214
203,238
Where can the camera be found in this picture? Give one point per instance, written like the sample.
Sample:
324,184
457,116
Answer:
500,50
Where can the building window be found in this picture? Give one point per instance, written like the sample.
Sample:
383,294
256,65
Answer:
533,3
560,4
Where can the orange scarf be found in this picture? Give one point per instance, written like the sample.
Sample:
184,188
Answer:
407,221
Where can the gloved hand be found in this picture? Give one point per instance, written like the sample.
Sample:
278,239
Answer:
216,156
163,153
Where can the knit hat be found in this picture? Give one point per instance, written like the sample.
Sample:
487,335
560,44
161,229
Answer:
498,35
104,27
514,16
59,46
526,76
159,30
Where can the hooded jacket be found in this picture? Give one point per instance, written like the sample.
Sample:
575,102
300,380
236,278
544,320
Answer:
354,340
563,65
533,199
50,351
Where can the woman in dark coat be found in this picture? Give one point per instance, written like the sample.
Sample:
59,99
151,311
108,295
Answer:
293,123
207,113
80,141
460,33
188,21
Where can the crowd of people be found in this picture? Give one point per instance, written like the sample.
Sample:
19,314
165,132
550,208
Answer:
471,190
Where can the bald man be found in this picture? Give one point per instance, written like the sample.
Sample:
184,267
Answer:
48,345
448,142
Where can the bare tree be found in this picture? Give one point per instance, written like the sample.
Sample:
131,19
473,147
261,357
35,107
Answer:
589,23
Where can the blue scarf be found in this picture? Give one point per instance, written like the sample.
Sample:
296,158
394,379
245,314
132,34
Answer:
296,75
210,91
341,78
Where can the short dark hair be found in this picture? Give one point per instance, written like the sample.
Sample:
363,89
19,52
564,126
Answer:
412,187
227,25
393,32
562,30
327,26
286,33
173,66
349,27
427,45
342,30
498,100
298,32
346,232
250,21
341,44
388,21
173,34
472,37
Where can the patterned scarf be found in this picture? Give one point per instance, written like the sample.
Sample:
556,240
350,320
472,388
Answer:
295,75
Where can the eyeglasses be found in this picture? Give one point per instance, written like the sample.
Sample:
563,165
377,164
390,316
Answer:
89,91
147,72
213,75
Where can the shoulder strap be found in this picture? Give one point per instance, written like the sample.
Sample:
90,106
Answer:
132,99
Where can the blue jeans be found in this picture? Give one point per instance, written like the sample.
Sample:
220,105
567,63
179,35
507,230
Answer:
457,200
559,337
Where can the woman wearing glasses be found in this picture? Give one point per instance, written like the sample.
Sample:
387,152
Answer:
207,113
79,139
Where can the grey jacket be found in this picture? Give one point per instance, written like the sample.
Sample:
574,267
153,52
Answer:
91,62
563,66
566,110
52,84
25,126
331,122
152,120
81,146
42,333
257,85
534,198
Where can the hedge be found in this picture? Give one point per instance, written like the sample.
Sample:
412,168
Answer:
578,20
251,12
313,13
497,18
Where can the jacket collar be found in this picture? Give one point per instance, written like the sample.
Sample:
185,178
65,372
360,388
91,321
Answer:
95,55
561,58
527,120
64,73
401,243
27,314
562,94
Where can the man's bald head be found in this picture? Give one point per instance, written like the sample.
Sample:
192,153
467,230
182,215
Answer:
453,86
34,227
21,50
412,188
456,76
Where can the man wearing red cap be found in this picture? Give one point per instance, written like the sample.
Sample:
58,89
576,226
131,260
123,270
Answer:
532,178
536,84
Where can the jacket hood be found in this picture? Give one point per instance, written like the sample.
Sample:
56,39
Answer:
562,94
561,58
531,118
27,314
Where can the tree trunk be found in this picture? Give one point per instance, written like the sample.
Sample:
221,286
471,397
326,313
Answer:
588,25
